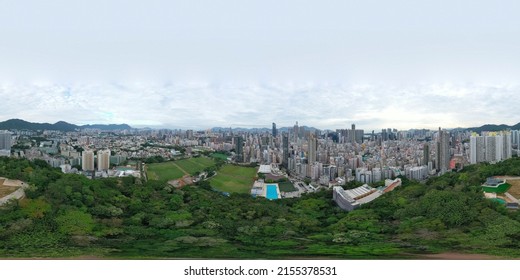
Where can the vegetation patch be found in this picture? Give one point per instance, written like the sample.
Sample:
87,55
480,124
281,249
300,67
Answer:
172,170
234,179
287,187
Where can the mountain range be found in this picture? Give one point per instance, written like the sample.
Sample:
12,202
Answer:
61,126
65,126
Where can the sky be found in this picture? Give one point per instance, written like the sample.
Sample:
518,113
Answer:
231,63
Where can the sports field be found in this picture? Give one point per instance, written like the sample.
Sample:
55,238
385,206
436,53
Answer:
232,178
171,170
219,155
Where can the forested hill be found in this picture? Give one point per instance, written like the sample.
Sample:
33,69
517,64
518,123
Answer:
69,215
60,126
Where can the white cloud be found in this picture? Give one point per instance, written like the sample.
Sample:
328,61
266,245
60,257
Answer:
203,105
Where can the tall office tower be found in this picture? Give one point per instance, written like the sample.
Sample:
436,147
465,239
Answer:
352,134
312,149
87,160
443,150
103,160
296,132
274,130
5,140
426,154
285,147
239,148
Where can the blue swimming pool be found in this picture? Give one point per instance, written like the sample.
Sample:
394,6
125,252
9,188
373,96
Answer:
272,192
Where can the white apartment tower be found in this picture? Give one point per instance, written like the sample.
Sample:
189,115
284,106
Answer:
103,158
87,160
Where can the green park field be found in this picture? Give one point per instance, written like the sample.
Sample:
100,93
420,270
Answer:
171,170
232,178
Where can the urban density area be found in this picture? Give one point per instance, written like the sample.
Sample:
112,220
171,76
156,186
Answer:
302,159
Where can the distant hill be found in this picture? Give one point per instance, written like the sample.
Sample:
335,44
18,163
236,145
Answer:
494,127
61,126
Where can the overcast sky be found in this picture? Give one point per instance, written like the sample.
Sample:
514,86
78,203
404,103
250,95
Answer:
199,64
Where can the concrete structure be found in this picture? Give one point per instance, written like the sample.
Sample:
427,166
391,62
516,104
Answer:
443,151
239,148
5,143
349,200
103,158
264,168
87,160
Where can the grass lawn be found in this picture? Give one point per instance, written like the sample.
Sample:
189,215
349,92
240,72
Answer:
287,187
500,189
193,165
231,178
219,155
171,170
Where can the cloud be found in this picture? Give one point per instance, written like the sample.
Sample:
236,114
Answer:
202,105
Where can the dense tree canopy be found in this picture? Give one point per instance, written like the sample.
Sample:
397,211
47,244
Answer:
70,215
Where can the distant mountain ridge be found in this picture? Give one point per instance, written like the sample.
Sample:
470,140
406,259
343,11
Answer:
494,127
60,126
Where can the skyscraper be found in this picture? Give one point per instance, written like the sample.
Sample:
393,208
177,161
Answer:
295,132
285,147
274,130
426,154
87,160
103,160
443,150
312,149
239,148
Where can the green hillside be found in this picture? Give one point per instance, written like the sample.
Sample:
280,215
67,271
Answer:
71,216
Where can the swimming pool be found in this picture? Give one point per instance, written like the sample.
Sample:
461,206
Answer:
272,192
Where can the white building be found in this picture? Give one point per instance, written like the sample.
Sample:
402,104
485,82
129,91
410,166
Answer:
103,158
87,160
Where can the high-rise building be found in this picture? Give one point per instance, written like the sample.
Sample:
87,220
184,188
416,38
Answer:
515,138
5,140
103,158
295,132
443,150
239,148
274,130
285,147
491,148
426,154
312,149
87,160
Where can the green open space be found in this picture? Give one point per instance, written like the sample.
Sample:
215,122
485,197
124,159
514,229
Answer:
219,155
171,170
287,187
193,165
232,178
502,188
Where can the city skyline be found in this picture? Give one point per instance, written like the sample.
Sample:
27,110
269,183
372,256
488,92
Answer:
180,64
